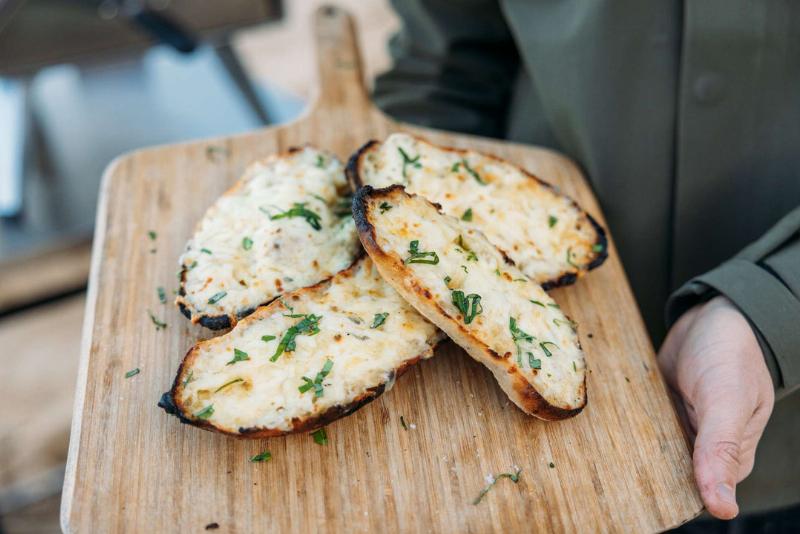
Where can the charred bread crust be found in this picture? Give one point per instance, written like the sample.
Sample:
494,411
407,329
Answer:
394,271
170,400
599,251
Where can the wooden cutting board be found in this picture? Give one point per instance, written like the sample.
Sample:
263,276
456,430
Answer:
621,465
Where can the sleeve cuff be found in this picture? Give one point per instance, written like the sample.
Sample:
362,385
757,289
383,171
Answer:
769,306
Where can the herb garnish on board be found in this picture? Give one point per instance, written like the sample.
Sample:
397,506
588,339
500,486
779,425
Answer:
469,305
316,384
408,160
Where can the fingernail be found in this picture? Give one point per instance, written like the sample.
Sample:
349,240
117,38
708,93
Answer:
726,493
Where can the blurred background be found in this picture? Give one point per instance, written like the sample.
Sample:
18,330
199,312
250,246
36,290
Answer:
81,82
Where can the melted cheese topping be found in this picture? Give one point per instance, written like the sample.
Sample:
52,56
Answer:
475,266
535,225
363,357
241,252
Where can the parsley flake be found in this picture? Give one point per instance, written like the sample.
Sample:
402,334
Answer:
544,344
238,356
205,251
408,160
379,319
569,258
415,256
469,306
472,172
467,215
519,336
162,295
298,209
551,221
384,207
132,372
216,297
160,325
309,326
206,412
247,243
267,338
513,476
316,384
265,456
320,436
228,383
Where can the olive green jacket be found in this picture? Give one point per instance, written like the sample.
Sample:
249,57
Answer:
686,119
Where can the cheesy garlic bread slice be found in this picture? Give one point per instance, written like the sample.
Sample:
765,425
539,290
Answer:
455,277
310,357
549,237
286,224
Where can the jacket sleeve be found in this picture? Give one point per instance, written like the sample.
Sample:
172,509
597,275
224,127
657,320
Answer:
455,64
763,281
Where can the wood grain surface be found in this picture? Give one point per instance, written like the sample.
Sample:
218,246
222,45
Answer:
621,465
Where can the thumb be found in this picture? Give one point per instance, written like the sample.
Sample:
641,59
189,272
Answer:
717,452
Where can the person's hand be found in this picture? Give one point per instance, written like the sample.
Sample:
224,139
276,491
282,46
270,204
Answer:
714,365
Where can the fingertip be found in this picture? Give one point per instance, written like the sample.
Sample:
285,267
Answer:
720,501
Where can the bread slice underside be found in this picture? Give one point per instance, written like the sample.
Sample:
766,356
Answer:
549,237
284,225
310,357
455,277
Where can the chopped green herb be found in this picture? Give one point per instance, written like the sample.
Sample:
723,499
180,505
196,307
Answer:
205,251
247,243
403,423
544,344
309,326
162,295
216,297
385,206
238,356
206,412
597,247
519,336
213,151
569,258
298,209
408,160
320,437
470,170
537,303
533,362
229,383
265,339
559,322
469,305
193,265
520,280
551,221
362,338
316,384
471,256
287,306
132,372
497,272
379,319
447,281
189,378
355,319
551,465
467,216
320,161
574,367
265,456
152,235
415,256
513,476
554,305
465,269
160,325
